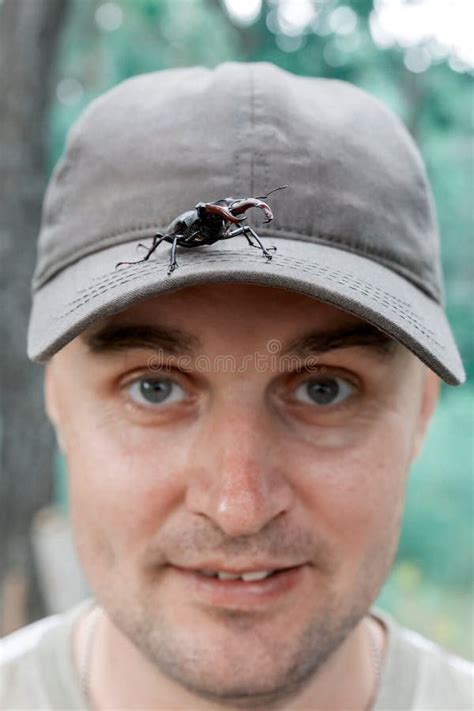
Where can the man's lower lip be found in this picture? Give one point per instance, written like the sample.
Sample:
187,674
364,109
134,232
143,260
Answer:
239,593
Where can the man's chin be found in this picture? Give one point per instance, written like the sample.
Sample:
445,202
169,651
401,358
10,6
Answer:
244,681
235,661
249,696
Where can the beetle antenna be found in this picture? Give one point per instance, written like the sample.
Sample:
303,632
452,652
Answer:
264,197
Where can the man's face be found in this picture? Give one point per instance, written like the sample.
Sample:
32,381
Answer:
195,447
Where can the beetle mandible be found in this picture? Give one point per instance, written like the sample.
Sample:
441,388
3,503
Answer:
210,222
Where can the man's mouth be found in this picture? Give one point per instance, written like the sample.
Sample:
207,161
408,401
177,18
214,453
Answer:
241,588
249,577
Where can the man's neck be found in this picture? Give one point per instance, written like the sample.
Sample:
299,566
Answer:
115,674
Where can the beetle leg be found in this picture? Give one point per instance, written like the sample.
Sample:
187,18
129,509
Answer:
228,234
244,231
239,231
266,251
173,262
157,240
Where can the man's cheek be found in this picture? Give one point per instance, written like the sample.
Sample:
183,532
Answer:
366,489
120,496
95,546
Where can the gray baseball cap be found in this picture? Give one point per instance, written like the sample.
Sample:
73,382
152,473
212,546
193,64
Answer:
355,227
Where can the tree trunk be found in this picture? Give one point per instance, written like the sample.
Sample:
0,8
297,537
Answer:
29,30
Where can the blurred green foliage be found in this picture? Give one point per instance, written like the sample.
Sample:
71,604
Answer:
431,587
437,532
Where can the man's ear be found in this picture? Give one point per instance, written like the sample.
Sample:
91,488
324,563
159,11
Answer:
429,398
51,403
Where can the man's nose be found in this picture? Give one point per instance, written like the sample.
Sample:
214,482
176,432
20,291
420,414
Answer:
238,477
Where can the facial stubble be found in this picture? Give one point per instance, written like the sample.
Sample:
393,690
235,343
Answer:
245,666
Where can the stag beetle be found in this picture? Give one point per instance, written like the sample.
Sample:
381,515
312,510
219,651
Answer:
210,222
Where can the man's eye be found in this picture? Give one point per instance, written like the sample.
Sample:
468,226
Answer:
324,391
150,391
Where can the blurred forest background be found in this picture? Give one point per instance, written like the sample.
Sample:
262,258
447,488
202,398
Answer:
415,55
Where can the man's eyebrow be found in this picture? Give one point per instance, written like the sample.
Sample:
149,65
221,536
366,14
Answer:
117,337
364,334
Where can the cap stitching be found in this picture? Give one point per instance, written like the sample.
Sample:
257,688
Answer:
111,277
358,248
402,308
345,278
324,238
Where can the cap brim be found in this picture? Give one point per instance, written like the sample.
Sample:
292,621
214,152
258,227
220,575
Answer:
93,288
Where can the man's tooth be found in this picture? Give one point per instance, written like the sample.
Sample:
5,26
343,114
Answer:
227,576
257,575
248,577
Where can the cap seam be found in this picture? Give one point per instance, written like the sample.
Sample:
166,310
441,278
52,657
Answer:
259,163
325,239
252,129
334,274
240,140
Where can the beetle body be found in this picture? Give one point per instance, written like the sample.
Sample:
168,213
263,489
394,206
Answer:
210,222
195,228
